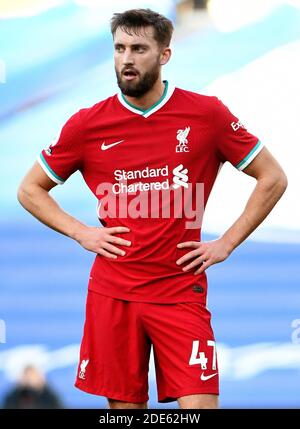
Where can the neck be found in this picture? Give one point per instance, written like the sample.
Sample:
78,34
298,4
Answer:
150,98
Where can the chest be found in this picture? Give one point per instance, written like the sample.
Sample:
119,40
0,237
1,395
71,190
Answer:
134,143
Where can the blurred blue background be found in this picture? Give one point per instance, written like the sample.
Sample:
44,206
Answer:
56,57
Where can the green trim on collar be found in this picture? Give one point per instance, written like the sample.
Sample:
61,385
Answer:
153,106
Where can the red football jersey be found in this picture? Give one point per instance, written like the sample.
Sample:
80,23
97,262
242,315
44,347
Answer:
151,171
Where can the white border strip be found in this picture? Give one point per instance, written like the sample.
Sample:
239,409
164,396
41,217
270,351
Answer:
48,172
132,109
247,162
167,97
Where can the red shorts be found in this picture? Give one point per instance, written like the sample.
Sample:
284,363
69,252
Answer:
116,345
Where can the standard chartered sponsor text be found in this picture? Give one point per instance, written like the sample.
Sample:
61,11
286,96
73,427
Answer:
166,195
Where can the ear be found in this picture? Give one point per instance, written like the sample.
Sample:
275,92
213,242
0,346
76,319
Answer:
165,56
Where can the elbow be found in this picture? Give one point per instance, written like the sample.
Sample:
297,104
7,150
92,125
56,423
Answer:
282,182
24,194
275,183
21,195
278,184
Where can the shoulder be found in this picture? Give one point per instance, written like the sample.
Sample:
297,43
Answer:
103,106
78,122
207,101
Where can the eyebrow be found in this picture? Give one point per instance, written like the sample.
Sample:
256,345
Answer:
134,45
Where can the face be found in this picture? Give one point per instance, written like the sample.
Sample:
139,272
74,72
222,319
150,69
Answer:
138,60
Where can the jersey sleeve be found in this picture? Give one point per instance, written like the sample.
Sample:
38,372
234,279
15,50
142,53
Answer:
64,155
234,143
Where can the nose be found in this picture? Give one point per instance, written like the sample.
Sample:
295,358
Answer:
127,57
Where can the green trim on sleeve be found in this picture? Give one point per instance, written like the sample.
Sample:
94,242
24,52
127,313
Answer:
52,173
250,154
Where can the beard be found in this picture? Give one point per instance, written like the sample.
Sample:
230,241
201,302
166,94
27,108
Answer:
142,86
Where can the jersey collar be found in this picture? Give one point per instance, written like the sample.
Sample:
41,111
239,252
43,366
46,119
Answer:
167,94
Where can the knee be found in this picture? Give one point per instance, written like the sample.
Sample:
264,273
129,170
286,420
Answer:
199,402
114,404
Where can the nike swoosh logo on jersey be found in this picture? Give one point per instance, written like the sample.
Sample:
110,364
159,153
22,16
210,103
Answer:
207,377
108,146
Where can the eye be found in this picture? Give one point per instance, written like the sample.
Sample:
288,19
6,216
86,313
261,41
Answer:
119,48
139,49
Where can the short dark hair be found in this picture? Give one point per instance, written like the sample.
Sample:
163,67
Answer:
135,19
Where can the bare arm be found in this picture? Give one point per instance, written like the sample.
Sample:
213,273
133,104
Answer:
33,195
270,186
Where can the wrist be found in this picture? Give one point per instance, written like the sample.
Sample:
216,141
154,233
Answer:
228,244
77,230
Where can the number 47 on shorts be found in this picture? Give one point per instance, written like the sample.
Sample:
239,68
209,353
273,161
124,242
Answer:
199,357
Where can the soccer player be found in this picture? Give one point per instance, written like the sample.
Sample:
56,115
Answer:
150,154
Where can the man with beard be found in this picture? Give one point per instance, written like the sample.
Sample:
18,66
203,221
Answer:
154,293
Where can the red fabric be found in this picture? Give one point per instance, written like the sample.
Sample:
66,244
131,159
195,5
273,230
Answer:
116,343
148,272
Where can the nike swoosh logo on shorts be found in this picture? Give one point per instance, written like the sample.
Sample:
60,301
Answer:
108,146
207,377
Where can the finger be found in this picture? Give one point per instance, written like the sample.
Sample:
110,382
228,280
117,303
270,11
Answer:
203,267
188,244
103,252
188,256
118,229
113,249
117,240
193,264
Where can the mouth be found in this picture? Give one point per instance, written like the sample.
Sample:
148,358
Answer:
130,74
